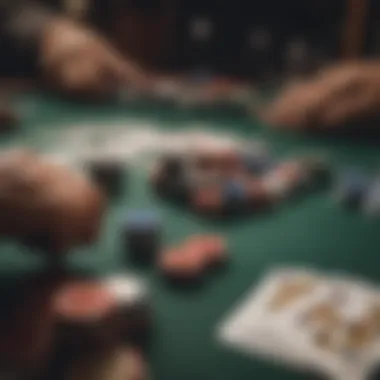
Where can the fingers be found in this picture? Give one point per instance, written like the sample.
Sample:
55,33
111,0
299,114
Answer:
294,108
321,102
350,108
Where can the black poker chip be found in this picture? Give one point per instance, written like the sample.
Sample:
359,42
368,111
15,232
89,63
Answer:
141,235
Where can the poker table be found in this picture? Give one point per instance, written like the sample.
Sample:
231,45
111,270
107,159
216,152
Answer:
312,231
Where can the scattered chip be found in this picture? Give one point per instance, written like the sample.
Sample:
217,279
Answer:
141,235
215,249
352,187
87,314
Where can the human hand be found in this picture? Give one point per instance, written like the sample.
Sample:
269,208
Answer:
79,62
45,205
334,97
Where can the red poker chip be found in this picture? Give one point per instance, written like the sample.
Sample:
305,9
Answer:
182,263
170,260
192,265
210,249
83,302
194,249
215,249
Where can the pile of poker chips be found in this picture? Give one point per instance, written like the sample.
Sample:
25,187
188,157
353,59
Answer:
191,259
359,190
91,313
230,181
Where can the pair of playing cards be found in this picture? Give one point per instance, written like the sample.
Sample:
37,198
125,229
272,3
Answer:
324,323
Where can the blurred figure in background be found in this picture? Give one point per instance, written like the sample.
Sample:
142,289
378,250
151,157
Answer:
37,37
343,93
333,97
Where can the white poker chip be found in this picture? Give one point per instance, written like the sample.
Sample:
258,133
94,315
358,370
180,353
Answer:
126,288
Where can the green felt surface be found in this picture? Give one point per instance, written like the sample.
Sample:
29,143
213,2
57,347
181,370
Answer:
309,232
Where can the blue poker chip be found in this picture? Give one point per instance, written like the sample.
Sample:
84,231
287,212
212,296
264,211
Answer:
234,192
142,220
353,186
371,202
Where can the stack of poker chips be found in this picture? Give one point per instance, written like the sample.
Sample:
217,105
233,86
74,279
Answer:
141,235
232,181
94,313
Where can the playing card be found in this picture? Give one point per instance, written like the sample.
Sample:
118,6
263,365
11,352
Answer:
311,321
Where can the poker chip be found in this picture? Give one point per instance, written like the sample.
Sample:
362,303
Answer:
192,265
215,249
109,310
141,235
195,249
352,188
169,260
127,289
133,305
234,195
182,263
83,302
371,200
86,315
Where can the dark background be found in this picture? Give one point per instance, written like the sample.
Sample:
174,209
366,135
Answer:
157,33
164,37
